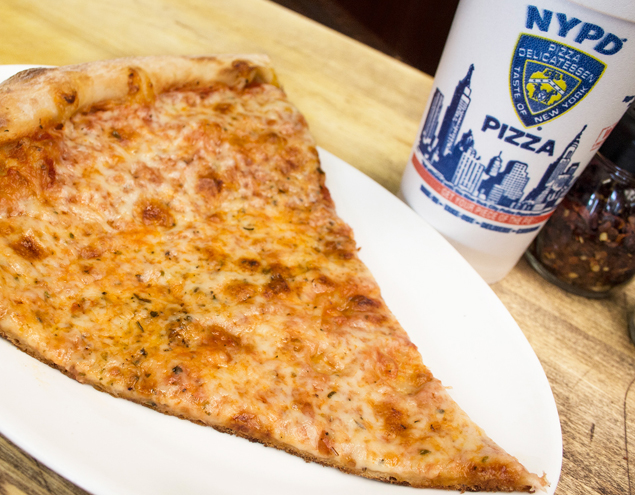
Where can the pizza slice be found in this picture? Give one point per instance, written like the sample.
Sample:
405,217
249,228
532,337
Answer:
166,237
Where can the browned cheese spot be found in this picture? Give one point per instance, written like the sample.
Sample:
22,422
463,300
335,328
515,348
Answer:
412,374
276,140
70,97
28,248
326,363
66,101
345,310
362,303
223,108
341,250
214,257
323,284
218,347
326,195
243,69
204,347
209,184
13,186
216,337
239,142
385,365
154,212
134,82
240,291
393,419
48,173
302,401
80,306
278,285
140,87
248,424
89,252
326,444
249,264
146,174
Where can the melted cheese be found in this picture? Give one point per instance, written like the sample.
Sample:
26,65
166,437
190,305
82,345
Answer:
185,254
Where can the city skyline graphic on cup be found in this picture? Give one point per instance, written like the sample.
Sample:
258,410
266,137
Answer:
495,187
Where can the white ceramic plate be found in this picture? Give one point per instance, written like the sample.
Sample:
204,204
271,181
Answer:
466,336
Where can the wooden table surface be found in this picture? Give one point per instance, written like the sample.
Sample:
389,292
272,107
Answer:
365,108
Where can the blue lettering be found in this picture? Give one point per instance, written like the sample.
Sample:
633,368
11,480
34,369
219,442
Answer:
490,123
548,147
454,212
603,46
589,32
527,145
566,26
516,137
525,231
534,17
607,45
495,228
502,132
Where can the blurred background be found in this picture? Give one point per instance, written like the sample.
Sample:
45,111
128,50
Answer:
413,31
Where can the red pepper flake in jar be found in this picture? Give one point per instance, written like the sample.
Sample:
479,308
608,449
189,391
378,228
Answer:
588,245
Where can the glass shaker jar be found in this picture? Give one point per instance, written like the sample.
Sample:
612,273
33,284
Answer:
588,245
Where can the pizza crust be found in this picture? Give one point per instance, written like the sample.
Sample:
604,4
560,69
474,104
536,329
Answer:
41,97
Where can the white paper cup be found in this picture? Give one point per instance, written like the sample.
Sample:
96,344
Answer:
524,96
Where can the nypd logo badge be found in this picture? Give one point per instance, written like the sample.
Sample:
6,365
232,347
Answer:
548,78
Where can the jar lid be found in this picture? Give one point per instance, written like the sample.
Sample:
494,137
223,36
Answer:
619,147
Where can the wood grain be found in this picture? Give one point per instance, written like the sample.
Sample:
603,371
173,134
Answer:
364,107
22,474
589,360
